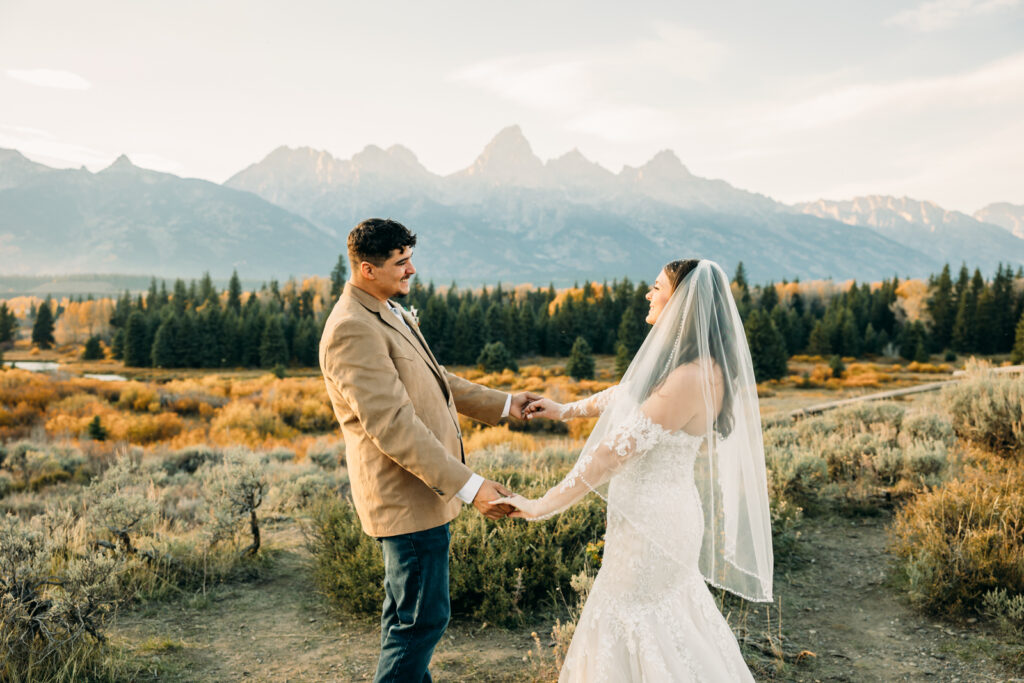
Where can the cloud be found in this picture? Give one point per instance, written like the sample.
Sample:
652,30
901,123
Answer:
997,81
46,148
50,78
615,92
537,82
626,124
936,15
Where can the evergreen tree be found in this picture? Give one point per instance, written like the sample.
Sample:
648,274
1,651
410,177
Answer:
42,330
305,349
495,357
164,353
942,311
769,298
136,349
622,360
338,275
819,342
8,323
187,341
1017,356
179,299
97,432
767,347
273,348
633,326
235,293
837,366
93,350
207,292
581,363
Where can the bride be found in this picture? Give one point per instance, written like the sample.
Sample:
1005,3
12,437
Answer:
679,445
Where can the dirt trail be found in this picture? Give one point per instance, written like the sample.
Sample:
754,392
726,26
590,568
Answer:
836,606
278,629
839,606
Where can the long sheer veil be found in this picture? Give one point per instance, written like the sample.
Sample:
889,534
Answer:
701,328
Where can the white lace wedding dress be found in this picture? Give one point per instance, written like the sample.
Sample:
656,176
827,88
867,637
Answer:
650,617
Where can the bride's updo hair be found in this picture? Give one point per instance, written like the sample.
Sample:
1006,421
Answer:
677,270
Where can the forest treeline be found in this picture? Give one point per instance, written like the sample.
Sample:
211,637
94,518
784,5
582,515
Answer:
195,325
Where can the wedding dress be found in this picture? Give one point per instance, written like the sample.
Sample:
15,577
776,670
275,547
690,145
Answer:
678,455
650,617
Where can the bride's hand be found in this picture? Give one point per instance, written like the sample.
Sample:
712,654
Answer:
525,508
543,407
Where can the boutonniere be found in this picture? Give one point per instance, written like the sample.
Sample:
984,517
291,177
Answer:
415,315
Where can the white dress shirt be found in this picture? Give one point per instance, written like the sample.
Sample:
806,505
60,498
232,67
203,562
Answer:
468,492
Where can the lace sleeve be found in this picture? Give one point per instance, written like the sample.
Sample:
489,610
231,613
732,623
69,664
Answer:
630,439
591,406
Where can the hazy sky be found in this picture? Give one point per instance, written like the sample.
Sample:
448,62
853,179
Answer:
797,99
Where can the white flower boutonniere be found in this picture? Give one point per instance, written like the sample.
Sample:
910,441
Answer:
415,315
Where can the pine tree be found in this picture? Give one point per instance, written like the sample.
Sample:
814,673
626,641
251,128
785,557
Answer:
338,275
622,359
164,352
1017,356
495,357
8,323
767,347
235,293
42,330
97,432
273,348
136,351
942,310
93,350
581,363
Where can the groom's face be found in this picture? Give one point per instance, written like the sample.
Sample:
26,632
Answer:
393,276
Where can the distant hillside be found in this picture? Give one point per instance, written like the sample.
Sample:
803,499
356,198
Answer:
513,217
946,236
125,219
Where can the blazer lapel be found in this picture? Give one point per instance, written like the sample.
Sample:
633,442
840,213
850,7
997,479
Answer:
414,339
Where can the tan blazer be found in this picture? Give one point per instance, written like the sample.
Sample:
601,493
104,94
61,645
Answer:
398,411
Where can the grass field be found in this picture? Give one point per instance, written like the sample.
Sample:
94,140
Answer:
196,459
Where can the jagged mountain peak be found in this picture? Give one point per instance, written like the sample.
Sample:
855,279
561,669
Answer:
508,159
121,164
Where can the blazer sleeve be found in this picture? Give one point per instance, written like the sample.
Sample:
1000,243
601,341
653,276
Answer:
357,361
475,400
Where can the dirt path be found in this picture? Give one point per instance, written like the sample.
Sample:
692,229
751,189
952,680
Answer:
278,629
836,605
839,606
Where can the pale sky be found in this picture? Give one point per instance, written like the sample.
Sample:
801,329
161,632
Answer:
796,99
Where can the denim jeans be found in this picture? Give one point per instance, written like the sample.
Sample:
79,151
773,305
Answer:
416,603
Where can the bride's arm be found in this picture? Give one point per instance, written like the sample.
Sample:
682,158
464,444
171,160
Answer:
591,406
666,410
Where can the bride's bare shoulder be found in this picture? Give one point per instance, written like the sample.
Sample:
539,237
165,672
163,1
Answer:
689,374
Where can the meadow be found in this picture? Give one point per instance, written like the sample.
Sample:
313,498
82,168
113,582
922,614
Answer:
195,525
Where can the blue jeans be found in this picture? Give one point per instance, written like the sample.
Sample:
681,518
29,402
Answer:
416,603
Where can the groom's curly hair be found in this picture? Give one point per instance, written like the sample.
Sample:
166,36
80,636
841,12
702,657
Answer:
374,239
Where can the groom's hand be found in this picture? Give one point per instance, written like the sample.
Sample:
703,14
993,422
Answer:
489,491
520,401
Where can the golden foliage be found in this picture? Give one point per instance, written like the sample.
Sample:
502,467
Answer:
500,436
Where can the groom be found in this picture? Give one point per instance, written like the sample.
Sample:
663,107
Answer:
398,410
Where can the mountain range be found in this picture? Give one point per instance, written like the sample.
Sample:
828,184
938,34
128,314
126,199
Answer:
509,216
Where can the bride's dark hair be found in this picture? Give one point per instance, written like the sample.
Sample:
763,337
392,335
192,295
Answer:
689,350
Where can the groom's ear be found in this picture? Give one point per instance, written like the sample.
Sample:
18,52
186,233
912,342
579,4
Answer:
366,270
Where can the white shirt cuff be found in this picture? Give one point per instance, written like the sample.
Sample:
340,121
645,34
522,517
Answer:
508,406
468,492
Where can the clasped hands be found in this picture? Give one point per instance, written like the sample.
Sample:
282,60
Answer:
495,501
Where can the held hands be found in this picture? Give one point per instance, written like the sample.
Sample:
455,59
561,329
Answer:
490,502
543,407
520,401
523,508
